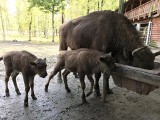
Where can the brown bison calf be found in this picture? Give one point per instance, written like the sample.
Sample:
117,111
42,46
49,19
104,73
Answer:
29,65
84,62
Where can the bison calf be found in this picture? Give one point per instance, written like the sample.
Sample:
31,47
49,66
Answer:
29,65
84,62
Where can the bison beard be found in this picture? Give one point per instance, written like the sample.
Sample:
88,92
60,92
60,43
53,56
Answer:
107,31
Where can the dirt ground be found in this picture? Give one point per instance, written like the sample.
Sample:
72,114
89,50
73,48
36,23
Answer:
57,104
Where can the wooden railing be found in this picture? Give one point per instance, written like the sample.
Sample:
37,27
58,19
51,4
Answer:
145,10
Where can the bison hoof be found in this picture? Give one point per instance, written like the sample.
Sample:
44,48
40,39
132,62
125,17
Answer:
97,93
68,90
25,104
76,76
34,98
7,94
85,102
46,89
88,94
18,93
109,91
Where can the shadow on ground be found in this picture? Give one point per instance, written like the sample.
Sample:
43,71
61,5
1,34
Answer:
57,104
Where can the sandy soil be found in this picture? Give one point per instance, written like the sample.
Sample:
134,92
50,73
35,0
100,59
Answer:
57,104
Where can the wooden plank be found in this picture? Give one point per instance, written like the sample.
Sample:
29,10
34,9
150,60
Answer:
147,76
155,71
133,85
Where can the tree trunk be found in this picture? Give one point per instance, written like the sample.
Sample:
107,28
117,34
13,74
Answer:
94,5
30,28
62,12
35,28
2,22
98,5
102,4
8,26
45,29
53,26
88,9
121,7
62,17
56,32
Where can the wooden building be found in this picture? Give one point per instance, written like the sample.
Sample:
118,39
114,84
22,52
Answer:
145,15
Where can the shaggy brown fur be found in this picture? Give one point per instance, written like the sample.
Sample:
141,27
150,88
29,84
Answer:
29,65
84,62
107,31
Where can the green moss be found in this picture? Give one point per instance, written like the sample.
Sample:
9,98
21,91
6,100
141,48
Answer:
153,43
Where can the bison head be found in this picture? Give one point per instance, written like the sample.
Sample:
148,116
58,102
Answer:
40,67
144,58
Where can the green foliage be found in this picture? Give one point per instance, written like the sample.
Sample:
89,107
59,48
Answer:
153,43
46,5
38,13
76,8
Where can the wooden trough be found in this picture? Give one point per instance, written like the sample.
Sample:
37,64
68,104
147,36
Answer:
136,79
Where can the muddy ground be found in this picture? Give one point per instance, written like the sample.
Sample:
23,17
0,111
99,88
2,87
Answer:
57,104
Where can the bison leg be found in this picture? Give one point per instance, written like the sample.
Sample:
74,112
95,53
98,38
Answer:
59,77
83,88
92,84
109,91
27,88
49,79
96,87
31,81
8,74
57,69
14,75
65,73
106,88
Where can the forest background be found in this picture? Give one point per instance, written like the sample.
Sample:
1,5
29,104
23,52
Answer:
39,20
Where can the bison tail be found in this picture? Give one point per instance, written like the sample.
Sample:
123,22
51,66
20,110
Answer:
1,58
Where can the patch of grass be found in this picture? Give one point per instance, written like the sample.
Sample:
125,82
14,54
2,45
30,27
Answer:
38,40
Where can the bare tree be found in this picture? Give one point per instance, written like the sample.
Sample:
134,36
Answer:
98,5
102,4
121,7
30,27
88,9
53,9
2,22
62,11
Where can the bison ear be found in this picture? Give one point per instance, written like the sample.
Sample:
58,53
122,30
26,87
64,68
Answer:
44,59
102,58
33,63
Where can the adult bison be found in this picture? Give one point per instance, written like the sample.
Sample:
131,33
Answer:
107,31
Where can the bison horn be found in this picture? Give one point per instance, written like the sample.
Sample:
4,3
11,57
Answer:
110,53
136,50
157,53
